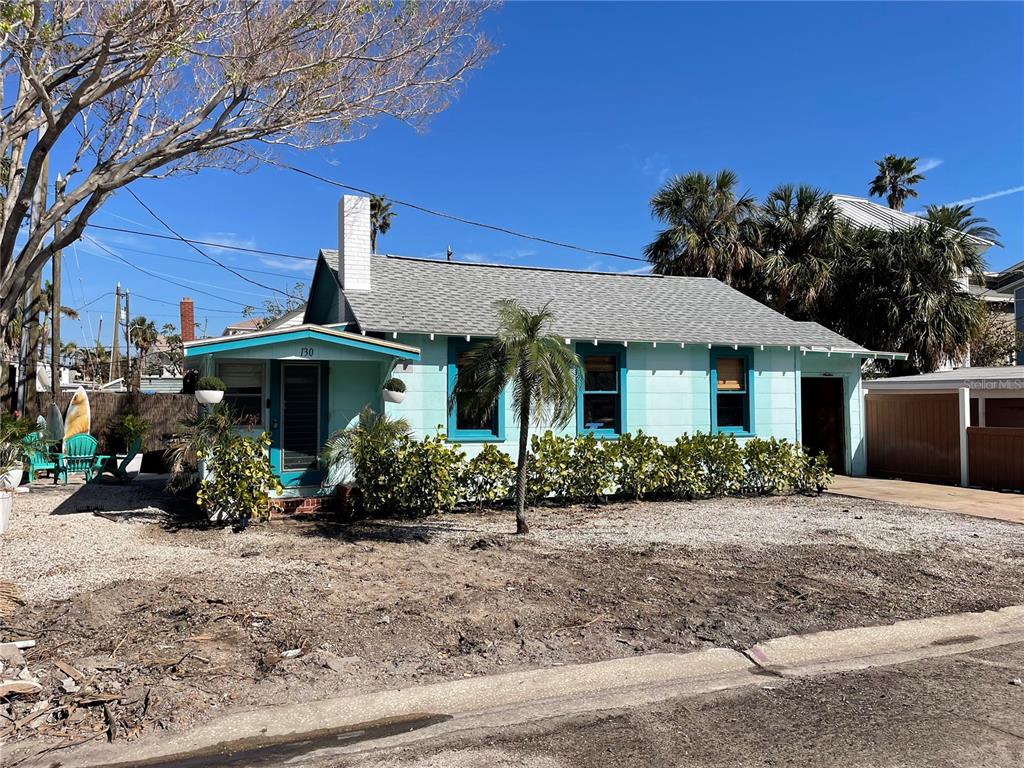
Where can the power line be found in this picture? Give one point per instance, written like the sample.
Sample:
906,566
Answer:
203,253
453,217
174,303
199,261
104,248
189,240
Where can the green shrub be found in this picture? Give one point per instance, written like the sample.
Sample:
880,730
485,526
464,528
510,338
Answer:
238,481
369,452
128,427
394,385
210,383
641,466
591,473
706,465
577,469
490,476
771,466
813,474
431,476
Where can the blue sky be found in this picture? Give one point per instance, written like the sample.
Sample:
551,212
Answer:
584,111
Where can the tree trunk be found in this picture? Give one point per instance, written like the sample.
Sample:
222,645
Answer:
524,434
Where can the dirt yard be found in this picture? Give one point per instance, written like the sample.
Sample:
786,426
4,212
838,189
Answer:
143,625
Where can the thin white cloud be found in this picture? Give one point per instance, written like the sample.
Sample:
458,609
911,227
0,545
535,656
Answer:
292,265
230,240
989,196
928,164
656,166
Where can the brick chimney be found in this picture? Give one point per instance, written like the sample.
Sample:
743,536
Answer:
188,320
354,242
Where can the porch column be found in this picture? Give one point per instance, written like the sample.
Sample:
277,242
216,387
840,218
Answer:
965,422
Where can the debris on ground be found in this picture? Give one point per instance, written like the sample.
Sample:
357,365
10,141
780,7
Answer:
151,627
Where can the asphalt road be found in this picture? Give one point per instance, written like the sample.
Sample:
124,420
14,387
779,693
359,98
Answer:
960,711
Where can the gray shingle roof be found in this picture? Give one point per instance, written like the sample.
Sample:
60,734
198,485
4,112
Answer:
457,298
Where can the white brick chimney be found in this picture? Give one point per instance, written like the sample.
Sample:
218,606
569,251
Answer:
354,242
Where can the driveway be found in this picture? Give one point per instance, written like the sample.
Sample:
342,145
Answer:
948,498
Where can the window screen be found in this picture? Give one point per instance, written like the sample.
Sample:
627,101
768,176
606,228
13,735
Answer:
243,390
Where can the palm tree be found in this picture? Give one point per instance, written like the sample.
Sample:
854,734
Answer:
962,219
903,290
380,218
709,229
895,180
46,304
539,367
801,239
143,335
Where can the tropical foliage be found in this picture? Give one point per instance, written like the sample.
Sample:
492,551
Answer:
895,180
888,289
540,370
997,341
381,216
709,228
238,481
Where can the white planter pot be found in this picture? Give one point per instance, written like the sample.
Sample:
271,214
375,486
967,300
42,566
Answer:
135,465
12,479
6,505
393,397
209,396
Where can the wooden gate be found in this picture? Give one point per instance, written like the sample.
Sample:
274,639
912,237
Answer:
913,436
996,457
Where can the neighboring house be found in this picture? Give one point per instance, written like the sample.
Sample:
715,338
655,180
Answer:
666,355
244,326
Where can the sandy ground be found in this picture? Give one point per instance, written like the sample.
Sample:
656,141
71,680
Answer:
167,624
941,713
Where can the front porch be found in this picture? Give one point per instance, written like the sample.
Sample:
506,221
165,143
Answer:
300,385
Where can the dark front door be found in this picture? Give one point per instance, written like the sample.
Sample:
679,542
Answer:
822,424
298,426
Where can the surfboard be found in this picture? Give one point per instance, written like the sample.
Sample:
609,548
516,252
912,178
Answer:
54,422
79,418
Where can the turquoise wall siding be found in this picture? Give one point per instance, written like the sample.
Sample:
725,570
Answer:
668,392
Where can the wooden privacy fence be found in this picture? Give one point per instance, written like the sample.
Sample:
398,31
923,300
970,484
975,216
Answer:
914,436
996,457
164,412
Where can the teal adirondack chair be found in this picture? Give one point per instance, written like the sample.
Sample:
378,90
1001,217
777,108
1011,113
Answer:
116,469
39,458
79,456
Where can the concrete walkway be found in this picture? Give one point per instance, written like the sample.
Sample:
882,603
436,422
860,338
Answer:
946,498
312,730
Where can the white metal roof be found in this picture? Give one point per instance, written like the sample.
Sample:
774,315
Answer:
999,378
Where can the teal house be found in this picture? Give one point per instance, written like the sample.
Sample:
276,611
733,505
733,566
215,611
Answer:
665,355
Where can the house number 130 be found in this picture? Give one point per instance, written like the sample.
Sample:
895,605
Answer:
306,352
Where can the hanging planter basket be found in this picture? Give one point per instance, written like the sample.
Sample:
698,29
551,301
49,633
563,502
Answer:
209,396
394,390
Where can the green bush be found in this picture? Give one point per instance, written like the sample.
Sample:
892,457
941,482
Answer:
813,474
238,481
210,383
547,471
431,476
641,466
577,469
490,477
706,465
128,427
771,466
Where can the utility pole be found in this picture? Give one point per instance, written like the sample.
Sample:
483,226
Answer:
55,303
128,375
30,316
114,336
94,366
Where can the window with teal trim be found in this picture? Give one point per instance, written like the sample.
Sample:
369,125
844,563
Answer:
600,395
462,425
732,390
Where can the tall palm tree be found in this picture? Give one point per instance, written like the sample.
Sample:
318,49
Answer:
962,219
903,290
895,180
143,334
801,239
380,218
709,228
538,366
46,304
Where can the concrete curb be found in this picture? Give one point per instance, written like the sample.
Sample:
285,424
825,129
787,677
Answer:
389,718
862,647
